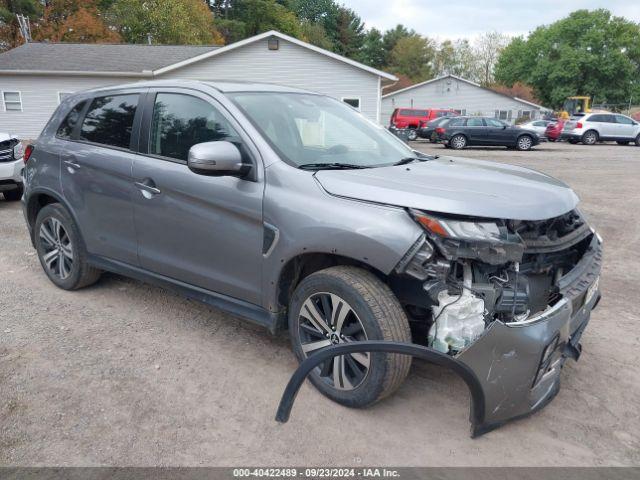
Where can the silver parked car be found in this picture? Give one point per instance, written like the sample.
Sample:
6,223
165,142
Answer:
538,126
11,165
594,127
292,210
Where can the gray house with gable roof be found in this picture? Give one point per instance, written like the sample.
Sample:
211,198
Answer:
36,76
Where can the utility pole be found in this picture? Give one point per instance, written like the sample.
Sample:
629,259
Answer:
25,27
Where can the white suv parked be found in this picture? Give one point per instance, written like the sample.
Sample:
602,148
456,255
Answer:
594,127
11,166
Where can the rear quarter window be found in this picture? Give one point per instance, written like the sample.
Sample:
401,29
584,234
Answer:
65,130
109,120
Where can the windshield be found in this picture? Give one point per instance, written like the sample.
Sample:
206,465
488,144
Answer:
312,129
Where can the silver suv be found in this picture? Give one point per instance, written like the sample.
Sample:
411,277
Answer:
594,127
293,211
11,165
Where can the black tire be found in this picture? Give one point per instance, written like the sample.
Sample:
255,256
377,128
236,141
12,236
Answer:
573,141
622,142
458,142
524,142
412,134
551,139
590,137
13,195
79,273
638,141
376,310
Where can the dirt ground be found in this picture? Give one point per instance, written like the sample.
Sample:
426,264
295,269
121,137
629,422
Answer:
123,373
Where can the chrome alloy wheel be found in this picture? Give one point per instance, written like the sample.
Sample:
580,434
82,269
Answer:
590,138
325,319
524,143
458,142
57,248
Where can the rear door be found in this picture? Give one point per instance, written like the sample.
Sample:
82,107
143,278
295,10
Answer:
202,230
476,131
607,126
96,172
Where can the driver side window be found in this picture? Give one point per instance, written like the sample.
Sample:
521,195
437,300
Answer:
180,121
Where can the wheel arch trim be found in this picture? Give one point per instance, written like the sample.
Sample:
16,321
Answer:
476,408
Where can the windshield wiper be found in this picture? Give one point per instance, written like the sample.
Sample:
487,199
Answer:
406,160
330,166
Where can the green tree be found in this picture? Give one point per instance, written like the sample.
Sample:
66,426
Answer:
167,21
487,51
373,52
348,35
413,56
391,38
315,34
587,53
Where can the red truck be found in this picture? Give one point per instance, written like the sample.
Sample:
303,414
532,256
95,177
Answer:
413,118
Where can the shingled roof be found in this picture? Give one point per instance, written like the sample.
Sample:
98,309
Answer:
82,57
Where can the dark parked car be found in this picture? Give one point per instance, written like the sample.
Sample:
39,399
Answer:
461,132
291,210
428,130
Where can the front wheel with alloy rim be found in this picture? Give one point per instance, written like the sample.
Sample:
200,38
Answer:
348,304
458,142
638,141
61,250
525,142
589,138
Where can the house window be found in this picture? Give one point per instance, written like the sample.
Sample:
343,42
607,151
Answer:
12,101
353,101
526,114
502,114
63,95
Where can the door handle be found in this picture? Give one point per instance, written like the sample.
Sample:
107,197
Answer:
71,164
148,188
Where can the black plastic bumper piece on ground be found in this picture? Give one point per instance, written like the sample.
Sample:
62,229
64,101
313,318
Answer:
477,407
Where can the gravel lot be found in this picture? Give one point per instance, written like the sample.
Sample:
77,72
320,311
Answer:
124,373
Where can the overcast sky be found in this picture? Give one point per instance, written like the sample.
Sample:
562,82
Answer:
453,19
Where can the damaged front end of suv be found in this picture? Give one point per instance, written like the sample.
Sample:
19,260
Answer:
502,303
509,299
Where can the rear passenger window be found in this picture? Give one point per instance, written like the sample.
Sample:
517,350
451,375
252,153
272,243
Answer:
65,130
109,120
181,121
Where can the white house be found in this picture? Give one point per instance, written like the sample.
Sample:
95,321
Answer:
35,76
457,93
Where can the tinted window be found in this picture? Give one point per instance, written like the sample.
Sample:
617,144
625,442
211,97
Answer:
492,122
624,120
596,118
65,130
455,122
109,120
413,113
181,121
475,122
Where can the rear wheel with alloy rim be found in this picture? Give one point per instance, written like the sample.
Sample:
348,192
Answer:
590,138
412,134
61,250
525,142
458,142
638,141
342,305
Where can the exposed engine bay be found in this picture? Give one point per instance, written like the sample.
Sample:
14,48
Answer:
466,273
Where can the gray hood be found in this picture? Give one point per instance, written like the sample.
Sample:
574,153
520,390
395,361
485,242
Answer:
456,186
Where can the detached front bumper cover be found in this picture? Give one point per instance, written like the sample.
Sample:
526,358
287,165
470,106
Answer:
512,370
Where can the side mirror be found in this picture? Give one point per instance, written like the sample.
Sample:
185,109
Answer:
215,158
504,127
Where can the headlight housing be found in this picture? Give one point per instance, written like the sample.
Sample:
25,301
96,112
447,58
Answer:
489,241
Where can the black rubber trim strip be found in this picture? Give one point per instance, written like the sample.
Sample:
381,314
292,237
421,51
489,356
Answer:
477,407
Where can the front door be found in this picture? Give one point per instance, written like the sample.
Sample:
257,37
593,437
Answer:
202,230
96,163
625,127
498,132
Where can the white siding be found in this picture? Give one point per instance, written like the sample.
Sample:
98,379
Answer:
290,65
40,99
455,94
